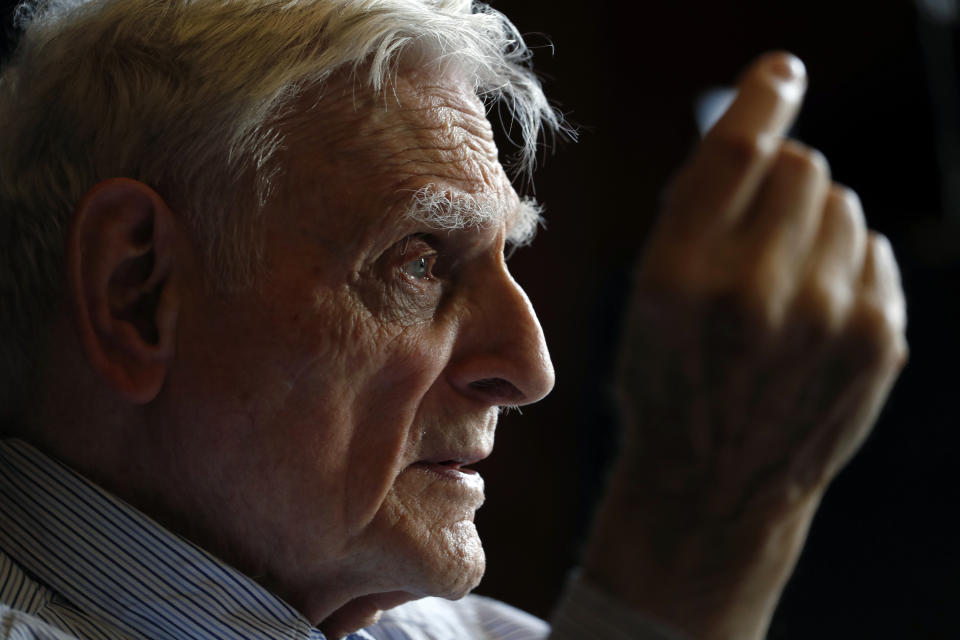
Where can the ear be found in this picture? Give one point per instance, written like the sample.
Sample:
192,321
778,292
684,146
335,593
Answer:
119,261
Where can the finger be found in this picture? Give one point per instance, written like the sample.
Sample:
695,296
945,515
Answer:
835,262
841,243
786,212
881,316
719,182
776,236
768,98
881,280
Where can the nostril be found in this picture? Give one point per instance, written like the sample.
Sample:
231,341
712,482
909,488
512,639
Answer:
498,390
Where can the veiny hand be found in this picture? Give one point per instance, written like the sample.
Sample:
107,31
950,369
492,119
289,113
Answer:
767,322
766,329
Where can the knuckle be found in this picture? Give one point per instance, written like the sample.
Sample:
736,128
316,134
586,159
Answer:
883,250
881,245
877,331
740,151
822,304
846,197
843,205
844,228
797,158
882,271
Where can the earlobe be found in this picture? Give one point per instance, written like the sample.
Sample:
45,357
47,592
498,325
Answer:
120,257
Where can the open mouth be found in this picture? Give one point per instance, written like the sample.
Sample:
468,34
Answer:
449,468
456,465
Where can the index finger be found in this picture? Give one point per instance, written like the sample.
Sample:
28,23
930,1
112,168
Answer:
720,180
768,98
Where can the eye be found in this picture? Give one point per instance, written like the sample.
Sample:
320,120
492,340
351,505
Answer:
420,268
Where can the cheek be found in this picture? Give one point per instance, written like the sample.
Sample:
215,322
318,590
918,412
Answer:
357,401
386,419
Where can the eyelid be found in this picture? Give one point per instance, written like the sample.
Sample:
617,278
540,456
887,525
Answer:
425,238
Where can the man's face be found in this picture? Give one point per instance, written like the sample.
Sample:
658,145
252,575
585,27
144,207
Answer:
327,414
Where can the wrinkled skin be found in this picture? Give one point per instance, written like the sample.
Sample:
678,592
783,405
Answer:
765,331
295,429
346,370
290,429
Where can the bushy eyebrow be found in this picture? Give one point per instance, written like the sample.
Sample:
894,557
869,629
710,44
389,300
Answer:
528,217
441,209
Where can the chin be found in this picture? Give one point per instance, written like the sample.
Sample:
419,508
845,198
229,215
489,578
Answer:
446,562
458,568
425,541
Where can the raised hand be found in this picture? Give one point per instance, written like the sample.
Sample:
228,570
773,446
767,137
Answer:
766,328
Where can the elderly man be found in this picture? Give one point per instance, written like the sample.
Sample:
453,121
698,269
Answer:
257,324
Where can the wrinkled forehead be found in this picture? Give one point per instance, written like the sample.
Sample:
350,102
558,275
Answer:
428,133
440,129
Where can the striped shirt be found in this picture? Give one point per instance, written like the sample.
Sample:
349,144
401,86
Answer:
76,562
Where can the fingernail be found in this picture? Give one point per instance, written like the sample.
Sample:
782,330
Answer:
787,67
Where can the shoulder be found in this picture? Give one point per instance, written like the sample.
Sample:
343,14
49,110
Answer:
17,625
471,618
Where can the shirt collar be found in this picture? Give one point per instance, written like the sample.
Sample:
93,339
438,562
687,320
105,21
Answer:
107,558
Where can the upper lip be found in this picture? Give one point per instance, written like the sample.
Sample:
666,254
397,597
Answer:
455,458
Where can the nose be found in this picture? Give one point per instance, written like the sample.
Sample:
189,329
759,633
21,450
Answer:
500,355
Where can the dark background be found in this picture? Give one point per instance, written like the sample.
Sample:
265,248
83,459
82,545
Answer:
881,560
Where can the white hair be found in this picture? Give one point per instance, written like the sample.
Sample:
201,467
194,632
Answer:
185,95
446,211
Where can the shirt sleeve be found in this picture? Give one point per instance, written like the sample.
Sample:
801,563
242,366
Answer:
586,612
